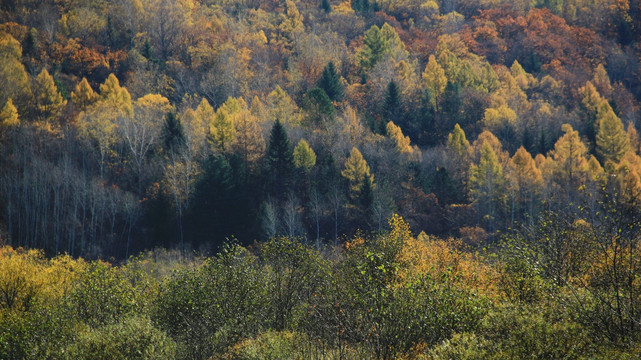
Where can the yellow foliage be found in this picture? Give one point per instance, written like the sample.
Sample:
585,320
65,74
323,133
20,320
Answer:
28,278
436,257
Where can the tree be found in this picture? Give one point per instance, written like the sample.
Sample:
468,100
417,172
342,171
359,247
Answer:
49,100
83,96
117,96
172,135
569,154
330,82
457,142
304,156
221,130
402,142
292,27
486,185
249,143
279,162
392,107
434,80
326,6
374,49
612,141
318,105
142,130
9,116
14,80
282,107
356,171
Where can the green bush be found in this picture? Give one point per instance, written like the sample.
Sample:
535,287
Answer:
210,308
133,338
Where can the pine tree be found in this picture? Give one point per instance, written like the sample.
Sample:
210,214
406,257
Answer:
83,96
318,105
172,134
279,162
49,100
330,81
361,6
457,142
611,140
326,6
304,156
375,47
392,103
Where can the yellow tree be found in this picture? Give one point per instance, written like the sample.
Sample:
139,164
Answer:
487,182
222,133
282,107
49,100
98,125
9,116
14,80
249,142
83,96
612,141
304,156
356,172
434,80
291,27
525,183
569,155
142,130
117,96
402,142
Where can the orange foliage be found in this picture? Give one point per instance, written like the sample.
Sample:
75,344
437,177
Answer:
438,258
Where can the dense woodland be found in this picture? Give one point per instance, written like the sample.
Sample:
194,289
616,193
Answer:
412,178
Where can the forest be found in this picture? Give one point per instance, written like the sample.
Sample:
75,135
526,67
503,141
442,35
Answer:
320,179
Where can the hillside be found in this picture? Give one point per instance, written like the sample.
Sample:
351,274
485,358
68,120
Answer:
502,133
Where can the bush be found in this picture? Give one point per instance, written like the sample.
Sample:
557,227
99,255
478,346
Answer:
133,338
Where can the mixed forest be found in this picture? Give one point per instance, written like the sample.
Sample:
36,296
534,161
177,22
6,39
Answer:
244,179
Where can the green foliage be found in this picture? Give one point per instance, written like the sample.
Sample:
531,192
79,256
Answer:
211,307
102,295
133,337
318,105
173,137
279,161
304,156
330,82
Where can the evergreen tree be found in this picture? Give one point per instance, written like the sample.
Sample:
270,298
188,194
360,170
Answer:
326,6
375,47
611,141
360,5
279,162
318,105
330,82
392,103
172,135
